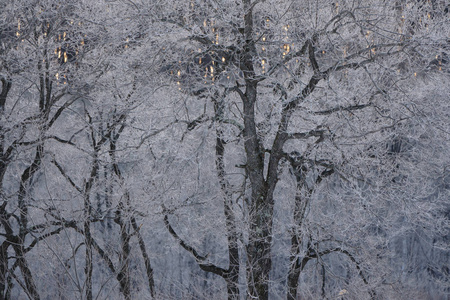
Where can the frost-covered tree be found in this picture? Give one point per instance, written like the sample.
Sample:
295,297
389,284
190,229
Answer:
211,149
307,101
63,112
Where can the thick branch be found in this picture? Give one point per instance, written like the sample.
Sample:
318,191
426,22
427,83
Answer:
341,108
208,267
67,177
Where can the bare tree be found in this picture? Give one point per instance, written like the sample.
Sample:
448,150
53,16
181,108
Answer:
313,85
290,149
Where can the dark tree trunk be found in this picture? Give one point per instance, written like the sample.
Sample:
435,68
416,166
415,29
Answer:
232,275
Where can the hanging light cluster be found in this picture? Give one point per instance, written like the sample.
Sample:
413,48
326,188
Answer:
67,51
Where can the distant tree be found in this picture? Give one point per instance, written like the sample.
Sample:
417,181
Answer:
52,60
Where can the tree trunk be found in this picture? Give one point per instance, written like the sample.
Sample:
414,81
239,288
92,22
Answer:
124,272
87,225
148,266
232,275
261,210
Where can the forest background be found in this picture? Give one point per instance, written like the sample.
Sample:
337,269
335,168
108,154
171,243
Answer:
212,149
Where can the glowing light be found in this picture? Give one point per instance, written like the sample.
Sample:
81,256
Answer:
200,61
415,74
65,57
178,73
223,59
264,39
57,76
